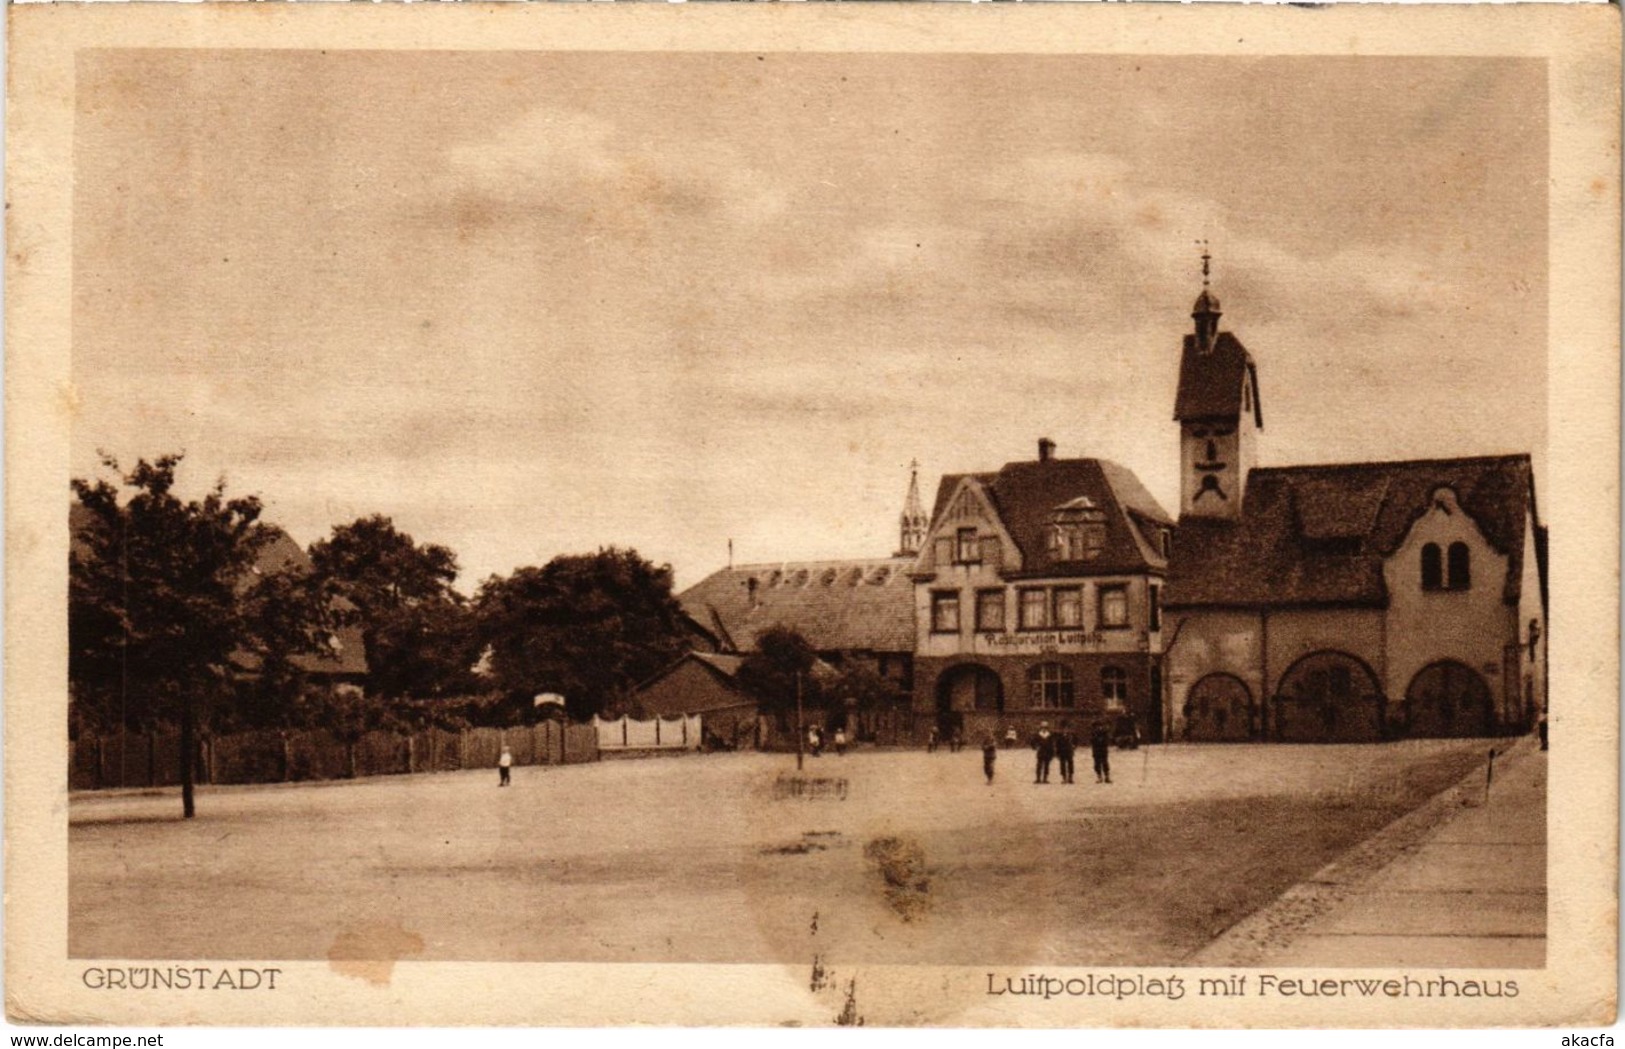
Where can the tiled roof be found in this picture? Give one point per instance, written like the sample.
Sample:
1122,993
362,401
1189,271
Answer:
1319,534
1210,383
1026,494
726,665
724,669
835,605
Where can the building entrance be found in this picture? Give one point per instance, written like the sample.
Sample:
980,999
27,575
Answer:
1219,710
1448,699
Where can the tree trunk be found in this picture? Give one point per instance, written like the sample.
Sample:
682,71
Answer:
187,758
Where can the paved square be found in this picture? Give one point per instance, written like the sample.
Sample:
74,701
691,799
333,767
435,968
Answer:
708,858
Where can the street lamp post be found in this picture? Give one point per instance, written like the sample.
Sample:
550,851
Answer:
801,727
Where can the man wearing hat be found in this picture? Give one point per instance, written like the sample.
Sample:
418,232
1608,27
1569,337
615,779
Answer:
1044,743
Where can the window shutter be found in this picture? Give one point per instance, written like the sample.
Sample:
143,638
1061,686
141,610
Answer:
992,551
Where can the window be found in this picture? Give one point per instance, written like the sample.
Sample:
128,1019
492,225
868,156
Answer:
1432,568
1076,542
1077,530
945,612
1154,608
967,550
1113,607
1461,575
1068,607
1034,609
1050,687
990,610
1113,687
1455,571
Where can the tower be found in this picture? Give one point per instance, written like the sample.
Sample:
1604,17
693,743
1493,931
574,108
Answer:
1218,412
913,521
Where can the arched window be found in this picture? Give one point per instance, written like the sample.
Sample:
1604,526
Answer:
1461,569
1432,568
1113,687
1050,687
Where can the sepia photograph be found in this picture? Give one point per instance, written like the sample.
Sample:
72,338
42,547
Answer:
1082,520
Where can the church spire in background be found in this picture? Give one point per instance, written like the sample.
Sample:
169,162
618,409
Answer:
913,522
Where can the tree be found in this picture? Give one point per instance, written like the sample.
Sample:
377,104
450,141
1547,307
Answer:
287,613
417,627
588,626
159,601
863,687
782,661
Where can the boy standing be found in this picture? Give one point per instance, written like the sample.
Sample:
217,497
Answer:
1100,745
1064,749
1044,744
990,754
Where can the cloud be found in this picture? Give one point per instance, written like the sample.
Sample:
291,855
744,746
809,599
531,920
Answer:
566,165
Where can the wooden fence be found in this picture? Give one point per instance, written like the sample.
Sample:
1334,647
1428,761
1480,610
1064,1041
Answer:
153,759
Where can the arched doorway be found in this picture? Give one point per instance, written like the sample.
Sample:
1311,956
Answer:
1219,709
964,688
1328,697
1448,699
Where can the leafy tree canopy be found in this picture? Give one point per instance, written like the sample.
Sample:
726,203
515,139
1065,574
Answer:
383,569
418,628
587,626
162,598
771,672
860,684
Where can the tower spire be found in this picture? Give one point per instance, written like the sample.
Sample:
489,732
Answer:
1206,312
913,522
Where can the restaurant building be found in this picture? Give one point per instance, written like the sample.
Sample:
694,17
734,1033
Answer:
1037,597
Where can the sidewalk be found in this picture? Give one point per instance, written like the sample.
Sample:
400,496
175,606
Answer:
1462,885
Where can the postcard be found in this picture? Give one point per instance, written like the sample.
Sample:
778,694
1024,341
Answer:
943,515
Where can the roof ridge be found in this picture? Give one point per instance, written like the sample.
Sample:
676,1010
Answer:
1376,463
886,559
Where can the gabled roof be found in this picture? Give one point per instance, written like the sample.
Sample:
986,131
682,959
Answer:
1317,535
865,605
726,665
724,669
1026,495
1210,383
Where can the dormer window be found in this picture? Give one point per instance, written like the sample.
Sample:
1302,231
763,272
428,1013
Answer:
1077,531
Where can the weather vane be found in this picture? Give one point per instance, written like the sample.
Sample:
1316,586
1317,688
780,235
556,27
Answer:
1206,259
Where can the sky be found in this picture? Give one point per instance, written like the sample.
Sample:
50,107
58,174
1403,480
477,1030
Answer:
533,303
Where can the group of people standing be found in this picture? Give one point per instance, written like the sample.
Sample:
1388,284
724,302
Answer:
1052,747
815,741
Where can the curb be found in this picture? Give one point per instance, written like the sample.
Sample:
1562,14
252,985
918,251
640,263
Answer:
1275,925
